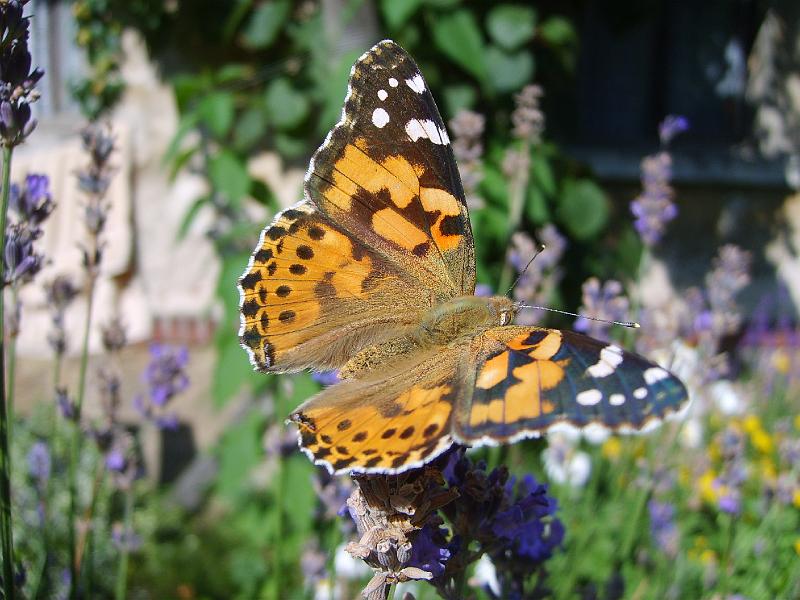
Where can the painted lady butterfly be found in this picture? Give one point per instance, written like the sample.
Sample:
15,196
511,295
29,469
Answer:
373,272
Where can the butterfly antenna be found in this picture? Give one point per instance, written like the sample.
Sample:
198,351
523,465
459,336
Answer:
631,324
521,273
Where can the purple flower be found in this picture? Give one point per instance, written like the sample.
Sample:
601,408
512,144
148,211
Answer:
653,208
429,550
22,262
32,202
166,377
671,126
165,374
527,526
115,460
662,526
326,378
66,405
39,462
601,302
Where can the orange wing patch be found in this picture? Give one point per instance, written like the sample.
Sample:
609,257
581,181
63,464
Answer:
383,426
516,370
302,264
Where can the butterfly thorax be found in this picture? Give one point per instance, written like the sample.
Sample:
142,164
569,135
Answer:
464,317
445,324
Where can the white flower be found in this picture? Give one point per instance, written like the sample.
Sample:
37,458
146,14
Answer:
691,434
485,575
568,466
727,397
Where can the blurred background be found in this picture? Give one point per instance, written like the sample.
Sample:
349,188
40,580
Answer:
653,146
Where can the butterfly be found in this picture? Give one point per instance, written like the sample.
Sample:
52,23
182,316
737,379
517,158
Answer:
373,273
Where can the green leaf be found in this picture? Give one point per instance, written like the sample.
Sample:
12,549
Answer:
493,185
180,160
558,31
583,208
266,22
216,111
397,12
240,451
536,206
232,370
250,128
286,107
229,175
261,192
190,216
334,86
542,173
443,3
509,72
458,36
186,124
290,147
458,97
511,26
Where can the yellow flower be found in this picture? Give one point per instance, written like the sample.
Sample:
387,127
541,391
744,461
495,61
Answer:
796,498
797,546
762,441
797,422
751,423
768,470
714,452
706,484
708,557
781,361
684,475
612,448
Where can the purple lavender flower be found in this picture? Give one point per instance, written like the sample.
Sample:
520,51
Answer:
22,262
539,281
165,374
17,80
115,460
66,405
662,526
671,126
430,551
326,378
653,208
601,302
166,377
39,463
32,202
526,526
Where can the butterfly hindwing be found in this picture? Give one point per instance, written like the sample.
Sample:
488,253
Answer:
528,379
387,174
387,422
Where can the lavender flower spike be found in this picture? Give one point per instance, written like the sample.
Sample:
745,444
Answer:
671,126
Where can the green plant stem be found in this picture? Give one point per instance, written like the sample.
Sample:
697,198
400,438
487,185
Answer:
516,204
122,569
75,450
5,458
12,366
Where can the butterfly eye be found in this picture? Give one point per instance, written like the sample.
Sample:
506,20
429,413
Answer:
505,317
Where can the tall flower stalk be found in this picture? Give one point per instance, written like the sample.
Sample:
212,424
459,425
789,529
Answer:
17,92
528,120
93,182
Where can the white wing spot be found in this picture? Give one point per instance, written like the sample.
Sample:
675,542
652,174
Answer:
425,128
617,399
380,118
393,82
589,397
382,95
416,83
654,374
610,359
640,393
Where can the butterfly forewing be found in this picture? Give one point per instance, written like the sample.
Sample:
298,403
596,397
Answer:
387,174
528,379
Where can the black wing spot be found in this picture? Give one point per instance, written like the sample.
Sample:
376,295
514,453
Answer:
249,281
297,270
271,268
421,249
250,308
316,233
263,255
388,433
275,233
304,252
407,432
360,436
283,291
430,430
344,424
286,316
264,319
